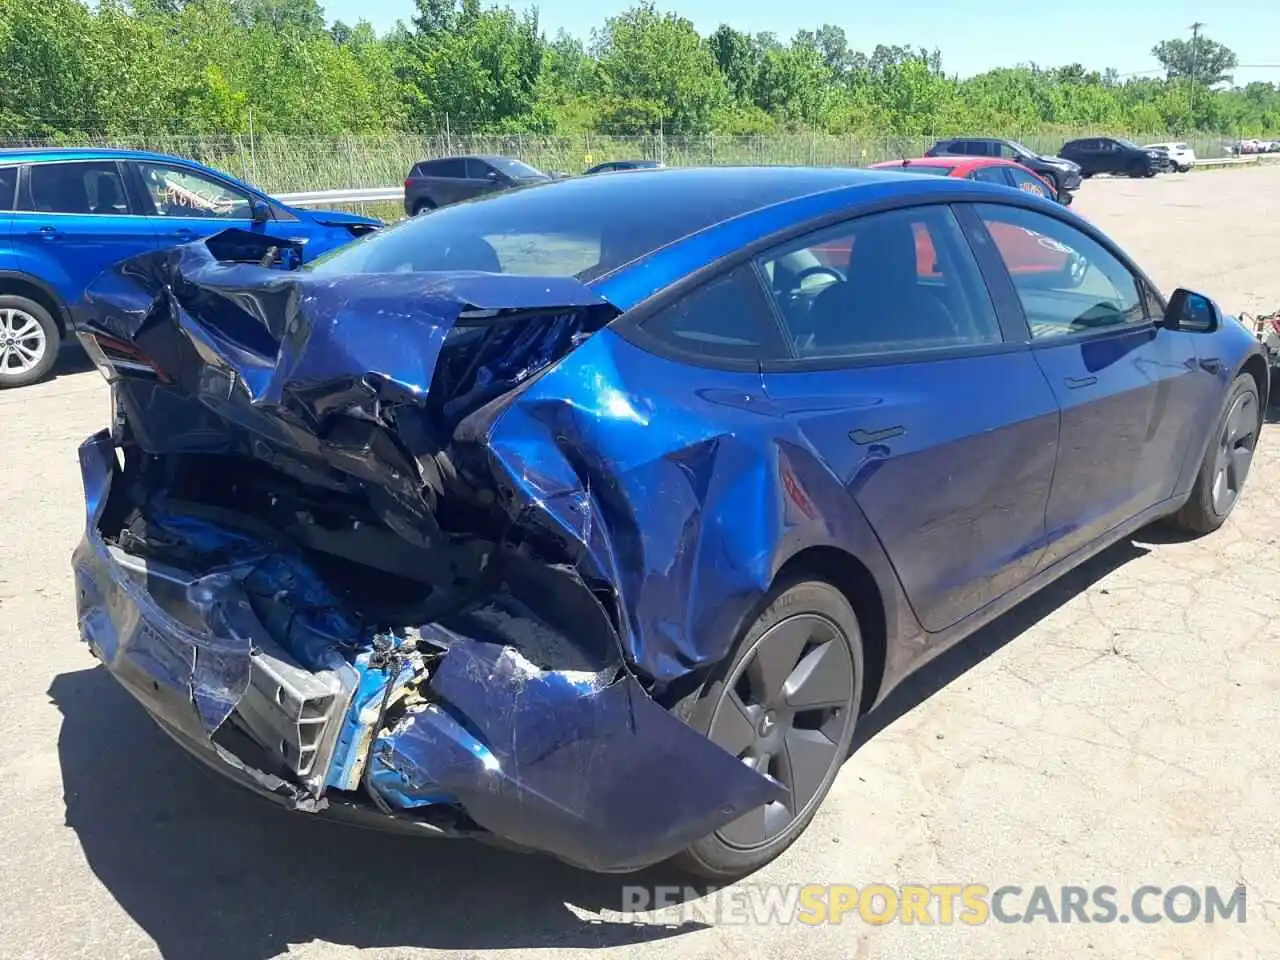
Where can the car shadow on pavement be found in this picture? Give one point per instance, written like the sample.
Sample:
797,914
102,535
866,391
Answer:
209,870
958,660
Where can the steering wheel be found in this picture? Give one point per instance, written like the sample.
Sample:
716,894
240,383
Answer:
834,272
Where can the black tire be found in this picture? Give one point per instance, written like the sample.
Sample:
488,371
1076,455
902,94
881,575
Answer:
1226,462
813,620
1054,184
26,327
1086,174
423,206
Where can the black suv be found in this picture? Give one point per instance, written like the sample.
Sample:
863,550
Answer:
1063,174
440,182
1114,155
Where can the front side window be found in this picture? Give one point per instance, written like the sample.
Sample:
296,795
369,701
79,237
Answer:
1030,183
726,318
182,192
517,169
478,170
94,187
884,284
1068,283
990,175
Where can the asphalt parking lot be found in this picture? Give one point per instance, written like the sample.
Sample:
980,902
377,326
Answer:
1121,729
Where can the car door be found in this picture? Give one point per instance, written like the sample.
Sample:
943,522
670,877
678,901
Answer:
943,433
1084,153
8,200
1126,386
483,178
186,203
74,220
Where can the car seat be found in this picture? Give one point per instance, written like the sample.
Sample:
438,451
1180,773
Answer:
109,199
881,302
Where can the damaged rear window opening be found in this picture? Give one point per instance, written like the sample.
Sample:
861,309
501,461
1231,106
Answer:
553,229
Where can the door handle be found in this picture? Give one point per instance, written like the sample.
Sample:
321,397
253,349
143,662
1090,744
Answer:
50,233
1075,383
876,436
182,233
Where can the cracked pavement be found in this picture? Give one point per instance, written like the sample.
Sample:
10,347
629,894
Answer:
1119,729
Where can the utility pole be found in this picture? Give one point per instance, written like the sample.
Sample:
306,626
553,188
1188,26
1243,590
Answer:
1191,93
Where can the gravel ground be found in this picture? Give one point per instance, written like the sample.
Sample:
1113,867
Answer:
1120,729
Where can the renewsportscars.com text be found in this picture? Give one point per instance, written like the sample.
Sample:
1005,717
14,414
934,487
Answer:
928,904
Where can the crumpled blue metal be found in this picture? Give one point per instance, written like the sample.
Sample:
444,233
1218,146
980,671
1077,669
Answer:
369,383
582,764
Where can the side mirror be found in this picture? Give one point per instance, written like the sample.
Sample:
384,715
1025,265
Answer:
492,176
259,212
1192,312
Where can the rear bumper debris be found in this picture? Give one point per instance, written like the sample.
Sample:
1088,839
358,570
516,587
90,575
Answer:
473,728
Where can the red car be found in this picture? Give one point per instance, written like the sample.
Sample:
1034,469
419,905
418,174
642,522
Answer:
1025,251
986,169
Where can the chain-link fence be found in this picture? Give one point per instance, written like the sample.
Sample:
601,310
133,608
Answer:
288,163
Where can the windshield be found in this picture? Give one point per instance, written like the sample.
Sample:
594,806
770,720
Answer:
1021,150
516,168
1127,144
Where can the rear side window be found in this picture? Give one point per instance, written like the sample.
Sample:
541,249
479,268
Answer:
8,187
93,187
452,168
893,282
727,318
477,169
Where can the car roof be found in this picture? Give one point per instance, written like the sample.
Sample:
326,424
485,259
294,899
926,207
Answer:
950,161
731,208
86,153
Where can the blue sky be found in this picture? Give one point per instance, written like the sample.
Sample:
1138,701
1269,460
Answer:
974,35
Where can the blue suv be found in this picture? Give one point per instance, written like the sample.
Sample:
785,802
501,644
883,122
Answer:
68,214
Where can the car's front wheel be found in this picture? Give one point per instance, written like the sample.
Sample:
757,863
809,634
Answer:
785,703
1226,463
29,341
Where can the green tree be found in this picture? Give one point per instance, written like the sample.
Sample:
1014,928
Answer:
1204,60
659,60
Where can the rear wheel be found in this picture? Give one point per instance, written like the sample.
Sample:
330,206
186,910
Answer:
29,341
786,703
423,206
1226,463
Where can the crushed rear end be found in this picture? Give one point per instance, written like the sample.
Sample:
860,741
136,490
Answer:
306,559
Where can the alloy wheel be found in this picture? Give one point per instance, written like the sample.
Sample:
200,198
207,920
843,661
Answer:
1235,452
785,711
22,342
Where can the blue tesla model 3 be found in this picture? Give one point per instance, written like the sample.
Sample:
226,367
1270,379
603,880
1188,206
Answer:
589,518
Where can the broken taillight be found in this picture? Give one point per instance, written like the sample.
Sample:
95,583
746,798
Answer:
115,357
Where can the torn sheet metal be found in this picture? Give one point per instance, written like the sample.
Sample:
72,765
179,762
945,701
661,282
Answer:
534,717
361,377
585,766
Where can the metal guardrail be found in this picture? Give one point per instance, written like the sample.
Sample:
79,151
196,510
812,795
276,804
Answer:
1234,161
320,198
